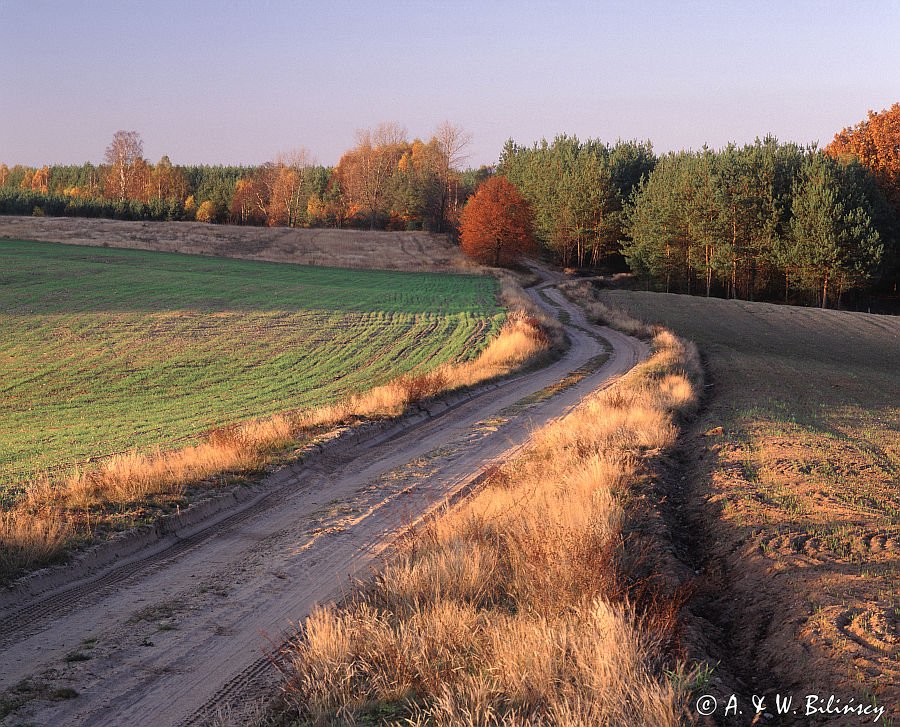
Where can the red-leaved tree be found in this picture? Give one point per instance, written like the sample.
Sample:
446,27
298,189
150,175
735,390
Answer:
496,224
875,142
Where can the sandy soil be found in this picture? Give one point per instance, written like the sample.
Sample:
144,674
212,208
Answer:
176,635
785,497
340,248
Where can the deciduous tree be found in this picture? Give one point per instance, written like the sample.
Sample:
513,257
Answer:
207,211
875,142
497,224
124,153
40,181
451,141
243,203
418,189
166,182
286,192
365,172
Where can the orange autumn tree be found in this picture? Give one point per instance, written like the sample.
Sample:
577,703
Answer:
364,173
875,142
496,224
126,168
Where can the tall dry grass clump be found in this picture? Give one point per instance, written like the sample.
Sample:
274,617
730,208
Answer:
28,540
521,606
55,509
583,293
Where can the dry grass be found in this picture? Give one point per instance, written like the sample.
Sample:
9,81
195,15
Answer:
791,490
29,540
414,251
583,293
520,606
55,510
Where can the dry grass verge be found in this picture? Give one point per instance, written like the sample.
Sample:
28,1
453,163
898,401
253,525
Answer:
117,492
786,496
582,292
528,604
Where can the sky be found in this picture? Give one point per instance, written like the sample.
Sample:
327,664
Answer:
238,82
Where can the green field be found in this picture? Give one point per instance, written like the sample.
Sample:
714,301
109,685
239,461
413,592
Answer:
103,350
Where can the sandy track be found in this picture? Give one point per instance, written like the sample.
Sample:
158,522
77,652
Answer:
167,639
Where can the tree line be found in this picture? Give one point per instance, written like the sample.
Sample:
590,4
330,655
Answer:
578,192
766,220
762,221
385,181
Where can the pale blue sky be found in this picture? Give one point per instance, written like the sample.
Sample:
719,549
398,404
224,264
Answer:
233,82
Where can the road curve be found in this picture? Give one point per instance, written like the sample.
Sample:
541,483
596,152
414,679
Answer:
169,638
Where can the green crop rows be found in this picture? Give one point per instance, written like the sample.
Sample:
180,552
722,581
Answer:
102,350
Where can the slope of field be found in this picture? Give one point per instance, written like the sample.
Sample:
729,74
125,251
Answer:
103,350
413,251
794,480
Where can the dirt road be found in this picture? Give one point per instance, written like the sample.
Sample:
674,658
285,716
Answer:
171,637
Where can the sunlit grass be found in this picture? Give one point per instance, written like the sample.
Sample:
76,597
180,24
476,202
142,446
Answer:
515,608
107,350
58,509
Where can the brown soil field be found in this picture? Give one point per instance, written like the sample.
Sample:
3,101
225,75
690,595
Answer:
336,248
786,498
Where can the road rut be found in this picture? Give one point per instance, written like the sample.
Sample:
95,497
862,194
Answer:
171,638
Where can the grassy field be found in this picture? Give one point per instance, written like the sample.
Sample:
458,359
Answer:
413,251
102,350
794,476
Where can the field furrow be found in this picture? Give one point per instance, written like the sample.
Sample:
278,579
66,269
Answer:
104,350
